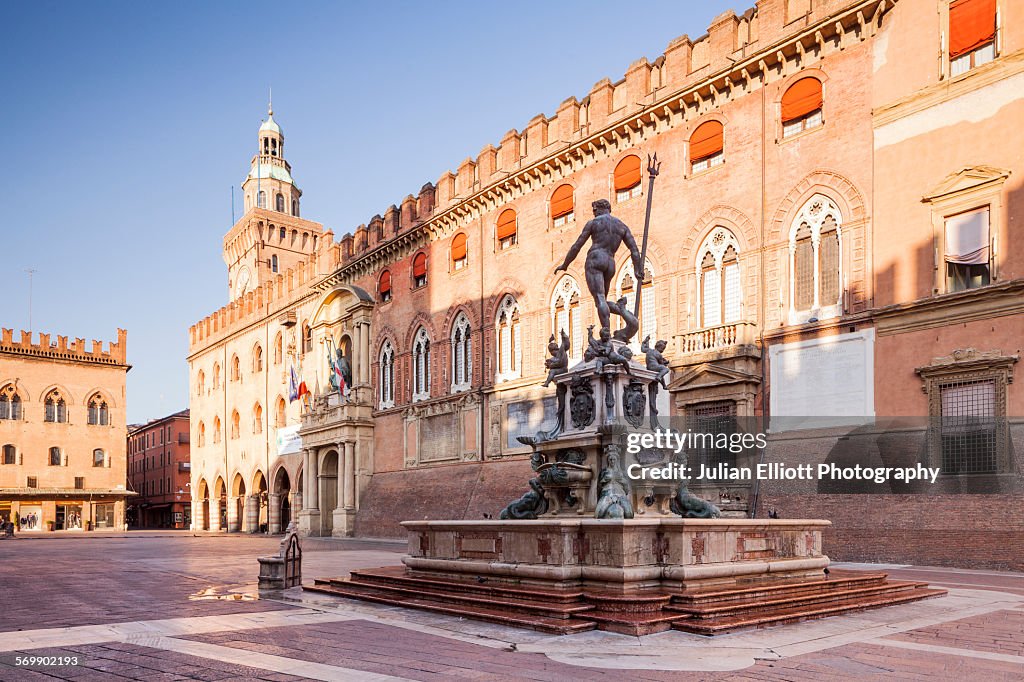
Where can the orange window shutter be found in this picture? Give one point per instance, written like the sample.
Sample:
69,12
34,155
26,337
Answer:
706,140
459,247
419,265
385,282
506,224
562,201
972,23
627,173
802,98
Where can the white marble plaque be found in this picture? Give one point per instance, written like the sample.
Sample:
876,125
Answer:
830,378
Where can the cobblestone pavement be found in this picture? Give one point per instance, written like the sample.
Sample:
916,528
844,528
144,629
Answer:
173,606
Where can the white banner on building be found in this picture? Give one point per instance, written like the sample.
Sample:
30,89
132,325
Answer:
288,440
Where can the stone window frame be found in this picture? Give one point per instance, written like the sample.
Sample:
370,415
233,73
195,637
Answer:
59,413
462,339
386,362
565,291
968,365
509,317
15,410
717,249
98,410
831,207
421,365
966,190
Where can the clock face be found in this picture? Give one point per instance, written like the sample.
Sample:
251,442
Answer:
242,284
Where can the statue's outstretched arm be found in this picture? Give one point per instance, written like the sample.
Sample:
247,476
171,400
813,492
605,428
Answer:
574,250
565,340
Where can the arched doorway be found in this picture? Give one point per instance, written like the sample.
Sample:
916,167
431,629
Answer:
328,491
220,491
280,507
236,512
259,519
204,505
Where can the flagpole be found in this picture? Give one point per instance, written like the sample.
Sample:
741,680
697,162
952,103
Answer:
652,172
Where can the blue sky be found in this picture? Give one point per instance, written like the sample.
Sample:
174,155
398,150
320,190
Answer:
127,124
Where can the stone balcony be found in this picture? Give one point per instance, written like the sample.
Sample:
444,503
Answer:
719,338
332,409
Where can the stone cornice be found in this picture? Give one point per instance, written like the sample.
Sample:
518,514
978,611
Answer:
996,300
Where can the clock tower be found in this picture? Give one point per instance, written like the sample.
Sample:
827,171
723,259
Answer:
270,237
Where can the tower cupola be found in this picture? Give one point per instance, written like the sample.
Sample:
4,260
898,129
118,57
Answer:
269,183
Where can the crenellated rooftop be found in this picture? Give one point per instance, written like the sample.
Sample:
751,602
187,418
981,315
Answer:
60,349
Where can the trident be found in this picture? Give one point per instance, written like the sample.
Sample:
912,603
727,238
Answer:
653,166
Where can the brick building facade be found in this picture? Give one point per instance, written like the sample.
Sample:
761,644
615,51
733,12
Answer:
159,471
62,431
831,235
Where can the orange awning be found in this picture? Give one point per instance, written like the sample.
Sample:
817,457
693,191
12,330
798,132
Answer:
419,265
706,140
562,201
459,246
385,282
972,23
627,173
506,224
802,98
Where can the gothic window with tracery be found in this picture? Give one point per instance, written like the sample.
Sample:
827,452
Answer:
56,409
387,375
718,276
462,354
99,413
10,403
815,248
565,315
507,330
421,365
625,287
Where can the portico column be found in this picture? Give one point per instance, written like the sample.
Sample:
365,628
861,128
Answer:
314,480
296,507
274,513
348,487
214,511
252,513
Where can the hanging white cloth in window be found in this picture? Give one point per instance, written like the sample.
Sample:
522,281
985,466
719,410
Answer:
967,238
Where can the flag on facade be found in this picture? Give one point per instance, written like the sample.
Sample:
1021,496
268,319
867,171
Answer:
293,385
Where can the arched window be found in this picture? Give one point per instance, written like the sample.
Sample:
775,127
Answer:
234,424
421,365
307,337
462,354
262,201
459,255
99,414
216,430
563,207
706,145
56,458
201,434
387,375
278,349
565,315
295,236
257,358
282,234
506,327
56,408
815,248
801,106
10,454
273,260
99,458
257,418
216,376
281,410
507,229
419,270
200,383
10,403
279,203
295,207
384,286
625,287
627,178
236,368
718,276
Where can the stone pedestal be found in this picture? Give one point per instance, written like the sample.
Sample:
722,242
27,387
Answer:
618,556
343,523
309,522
